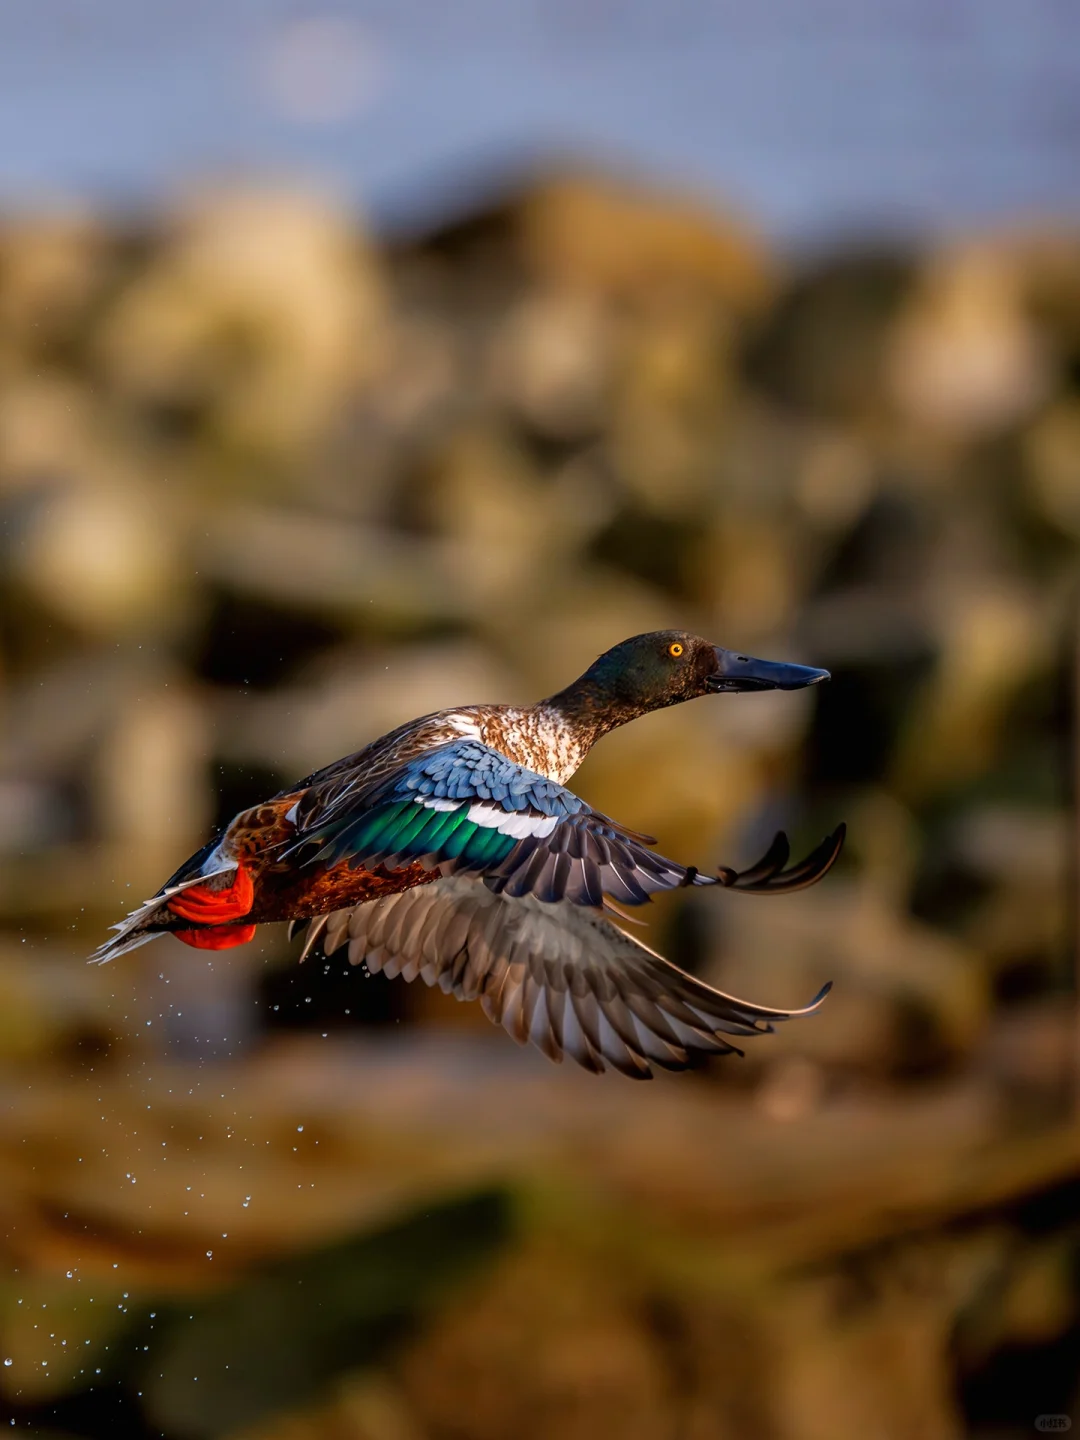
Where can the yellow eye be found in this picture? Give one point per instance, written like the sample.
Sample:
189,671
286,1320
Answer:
675,650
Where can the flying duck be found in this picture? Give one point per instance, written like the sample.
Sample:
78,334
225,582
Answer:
451,849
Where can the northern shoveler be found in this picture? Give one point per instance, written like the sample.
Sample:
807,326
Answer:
452,849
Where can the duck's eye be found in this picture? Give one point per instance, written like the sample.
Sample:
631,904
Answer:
675,650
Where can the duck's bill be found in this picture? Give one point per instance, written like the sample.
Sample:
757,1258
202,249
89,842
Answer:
742,672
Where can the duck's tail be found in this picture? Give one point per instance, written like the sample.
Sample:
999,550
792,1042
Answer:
151,918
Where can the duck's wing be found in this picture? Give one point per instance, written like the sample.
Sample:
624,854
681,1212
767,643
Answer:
560,976
769,876
465,809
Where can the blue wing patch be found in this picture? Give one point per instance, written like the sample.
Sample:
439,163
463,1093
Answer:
465,808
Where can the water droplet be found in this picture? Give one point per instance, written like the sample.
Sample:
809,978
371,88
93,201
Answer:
8,1360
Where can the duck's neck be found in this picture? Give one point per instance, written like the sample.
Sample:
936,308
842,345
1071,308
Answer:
574,719
553,736
585,710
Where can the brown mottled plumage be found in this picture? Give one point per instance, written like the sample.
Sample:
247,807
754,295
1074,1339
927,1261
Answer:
451,849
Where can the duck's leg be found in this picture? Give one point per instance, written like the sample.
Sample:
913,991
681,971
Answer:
209,906
217,937
214,908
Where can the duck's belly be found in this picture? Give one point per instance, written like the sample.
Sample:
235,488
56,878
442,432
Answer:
291,892
291,895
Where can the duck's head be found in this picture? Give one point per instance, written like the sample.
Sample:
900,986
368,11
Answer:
666,667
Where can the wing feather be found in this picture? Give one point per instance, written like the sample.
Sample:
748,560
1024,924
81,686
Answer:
465,809
557,975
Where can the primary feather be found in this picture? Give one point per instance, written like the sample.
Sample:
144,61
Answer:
559,976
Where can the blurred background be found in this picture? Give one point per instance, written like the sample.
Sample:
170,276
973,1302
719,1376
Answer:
360,361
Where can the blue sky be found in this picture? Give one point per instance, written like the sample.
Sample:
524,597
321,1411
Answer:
810,116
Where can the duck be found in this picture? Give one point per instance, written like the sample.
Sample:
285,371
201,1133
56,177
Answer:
451,849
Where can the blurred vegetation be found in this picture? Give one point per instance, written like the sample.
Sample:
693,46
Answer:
267,488
281,1335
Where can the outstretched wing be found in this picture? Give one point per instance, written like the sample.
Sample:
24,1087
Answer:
466,809
560,976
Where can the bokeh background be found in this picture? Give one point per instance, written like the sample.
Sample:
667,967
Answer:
359,362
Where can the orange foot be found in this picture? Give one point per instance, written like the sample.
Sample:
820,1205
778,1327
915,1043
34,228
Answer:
215,907
217,937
